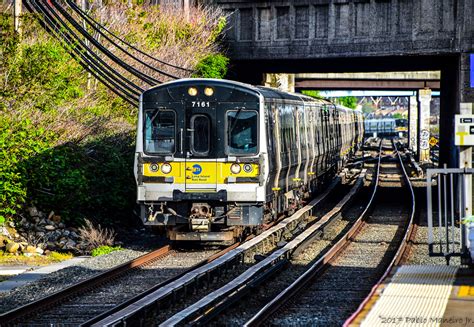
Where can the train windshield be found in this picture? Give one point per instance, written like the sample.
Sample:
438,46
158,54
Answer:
242,126
160,131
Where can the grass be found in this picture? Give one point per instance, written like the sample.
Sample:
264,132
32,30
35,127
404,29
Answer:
36,260
104,249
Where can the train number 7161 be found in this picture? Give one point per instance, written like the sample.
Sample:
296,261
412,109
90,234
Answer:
200,104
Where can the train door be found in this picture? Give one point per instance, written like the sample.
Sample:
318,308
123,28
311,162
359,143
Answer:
200,148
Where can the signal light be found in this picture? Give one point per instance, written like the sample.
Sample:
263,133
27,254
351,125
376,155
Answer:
248,168
154,168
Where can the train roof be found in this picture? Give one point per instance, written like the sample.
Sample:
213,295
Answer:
266,92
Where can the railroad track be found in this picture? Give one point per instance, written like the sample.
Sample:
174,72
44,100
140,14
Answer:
84,300
335,284
207,307
159,303
100,301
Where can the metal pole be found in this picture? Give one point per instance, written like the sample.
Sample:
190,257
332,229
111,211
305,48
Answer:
17,15
186,5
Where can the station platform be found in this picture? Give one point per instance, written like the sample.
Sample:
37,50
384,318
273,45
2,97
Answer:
421,296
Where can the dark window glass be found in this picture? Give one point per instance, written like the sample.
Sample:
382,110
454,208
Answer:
160,128
242,132
200,139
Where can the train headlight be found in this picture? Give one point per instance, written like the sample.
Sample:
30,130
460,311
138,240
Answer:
166,168
192,91
248,168
209,91
154,167
235,168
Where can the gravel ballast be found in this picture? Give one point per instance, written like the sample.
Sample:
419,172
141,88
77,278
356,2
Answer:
60,279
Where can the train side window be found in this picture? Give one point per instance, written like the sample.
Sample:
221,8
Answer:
200,137
160,130
242,132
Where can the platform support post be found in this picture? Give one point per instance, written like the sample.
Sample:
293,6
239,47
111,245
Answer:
283,82
424,101
413,125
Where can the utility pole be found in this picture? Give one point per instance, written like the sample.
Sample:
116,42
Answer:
85,6
186,5
17,15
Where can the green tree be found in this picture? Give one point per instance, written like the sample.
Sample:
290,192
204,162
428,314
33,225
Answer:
312,93
212,66
348,101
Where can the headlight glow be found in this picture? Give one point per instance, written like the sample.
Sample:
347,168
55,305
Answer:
235,168
192,91
209,91
166,168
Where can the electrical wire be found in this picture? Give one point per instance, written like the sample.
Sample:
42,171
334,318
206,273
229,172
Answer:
94,60
94,25
85,60
145,78
90,54
77,9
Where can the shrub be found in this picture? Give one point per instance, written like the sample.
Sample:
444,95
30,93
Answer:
212,66
96,236
101,250
19,142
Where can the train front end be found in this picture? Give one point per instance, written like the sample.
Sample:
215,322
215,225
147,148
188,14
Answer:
200,159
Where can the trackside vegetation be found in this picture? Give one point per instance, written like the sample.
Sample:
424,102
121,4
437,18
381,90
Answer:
68,147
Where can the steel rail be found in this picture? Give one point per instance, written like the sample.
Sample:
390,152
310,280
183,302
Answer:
209,306
11,316
320,265
134,312
407,241
98,318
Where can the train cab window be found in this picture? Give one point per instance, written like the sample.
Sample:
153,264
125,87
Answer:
160,126
200,137
242,135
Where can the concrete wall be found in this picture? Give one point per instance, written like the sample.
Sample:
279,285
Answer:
345,28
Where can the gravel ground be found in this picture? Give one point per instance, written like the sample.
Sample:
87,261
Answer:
86,306
65,277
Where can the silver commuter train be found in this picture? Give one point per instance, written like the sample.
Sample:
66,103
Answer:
216,158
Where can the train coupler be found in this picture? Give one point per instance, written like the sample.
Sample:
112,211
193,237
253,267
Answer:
200,224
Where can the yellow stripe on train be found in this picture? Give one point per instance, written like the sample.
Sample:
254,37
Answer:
201,172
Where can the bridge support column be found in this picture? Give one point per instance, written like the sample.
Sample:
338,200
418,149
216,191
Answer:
424,100
283,82
413,125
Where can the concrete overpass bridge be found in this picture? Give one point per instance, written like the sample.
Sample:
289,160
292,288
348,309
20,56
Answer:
331,36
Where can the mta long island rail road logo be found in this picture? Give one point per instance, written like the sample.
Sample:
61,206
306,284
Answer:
197,169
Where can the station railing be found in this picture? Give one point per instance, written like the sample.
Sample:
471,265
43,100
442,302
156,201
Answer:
450,220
